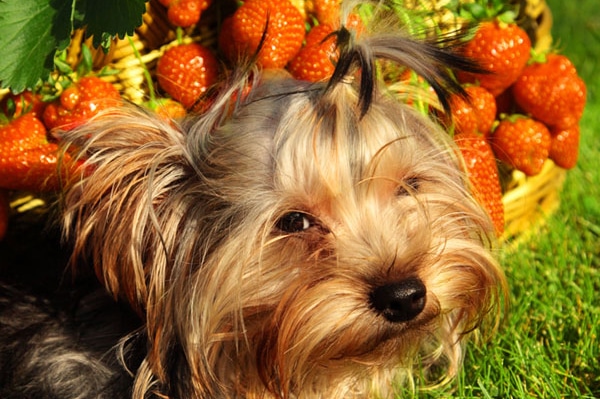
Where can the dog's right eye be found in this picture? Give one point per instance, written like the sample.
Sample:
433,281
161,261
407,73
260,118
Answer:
410,186
294,222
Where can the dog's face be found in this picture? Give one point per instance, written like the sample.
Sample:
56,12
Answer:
312,240
349,244
297,250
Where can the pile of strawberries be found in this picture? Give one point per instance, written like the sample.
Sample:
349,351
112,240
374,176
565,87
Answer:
524,111
29,155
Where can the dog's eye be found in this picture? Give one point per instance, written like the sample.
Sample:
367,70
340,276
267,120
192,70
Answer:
294,222
409,186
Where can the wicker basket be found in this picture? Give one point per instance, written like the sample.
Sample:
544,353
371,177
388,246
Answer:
531,199
527,200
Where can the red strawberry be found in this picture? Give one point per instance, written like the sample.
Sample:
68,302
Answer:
167,108
474,114
284,26
186,72
79,102
551,92
4,212
185,13
502,49
27,160
564,148
326,11
482,171
464,117
522,143
484,104
15,105
314,62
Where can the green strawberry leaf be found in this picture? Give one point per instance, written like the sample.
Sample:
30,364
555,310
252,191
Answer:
111,18
508,17
30,33
33,31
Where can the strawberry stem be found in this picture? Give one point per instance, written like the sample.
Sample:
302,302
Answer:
179,33
537,57
488,10
86,65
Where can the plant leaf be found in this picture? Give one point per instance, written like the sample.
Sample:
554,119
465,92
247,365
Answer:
30,33
112,17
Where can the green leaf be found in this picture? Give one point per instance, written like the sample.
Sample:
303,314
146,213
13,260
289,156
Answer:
30,33
508,17
112,17
86,64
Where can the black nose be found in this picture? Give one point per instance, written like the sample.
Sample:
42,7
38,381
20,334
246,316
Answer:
401,301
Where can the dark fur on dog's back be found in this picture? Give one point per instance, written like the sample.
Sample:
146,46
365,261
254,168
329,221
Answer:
49,353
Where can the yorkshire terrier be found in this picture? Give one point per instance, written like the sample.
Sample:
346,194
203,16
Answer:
295,240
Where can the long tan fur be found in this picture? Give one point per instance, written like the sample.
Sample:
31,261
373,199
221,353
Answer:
185,222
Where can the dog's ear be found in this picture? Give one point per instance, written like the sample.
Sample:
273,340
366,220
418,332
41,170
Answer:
132,161
121,211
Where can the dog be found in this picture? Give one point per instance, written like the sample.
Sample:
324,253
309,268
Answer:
295,240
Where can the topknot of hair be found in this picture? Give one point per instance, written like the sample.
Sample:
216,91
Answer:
431,56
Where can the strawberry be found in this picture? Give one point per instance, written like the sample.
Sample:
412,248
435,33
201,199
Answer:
326,11
167,108
464,117
484,104
551,92
482,172
501,49
79,102
4,212
314,62
564,148
522,143
185,13
474,114
284,27
186,71
27,160
15,105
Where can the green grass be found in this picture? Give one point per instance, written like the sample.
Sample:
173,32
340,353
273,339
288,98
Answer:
549,347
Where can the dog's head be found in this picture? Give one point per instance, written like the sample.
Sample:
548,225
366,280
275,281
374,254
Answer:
304,240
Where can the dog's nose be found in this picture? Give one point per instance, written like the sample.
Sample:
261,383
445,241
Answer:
401,301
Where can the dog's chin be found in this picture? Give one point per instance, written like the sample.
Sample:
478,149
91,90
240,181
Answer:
354,342
369,351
